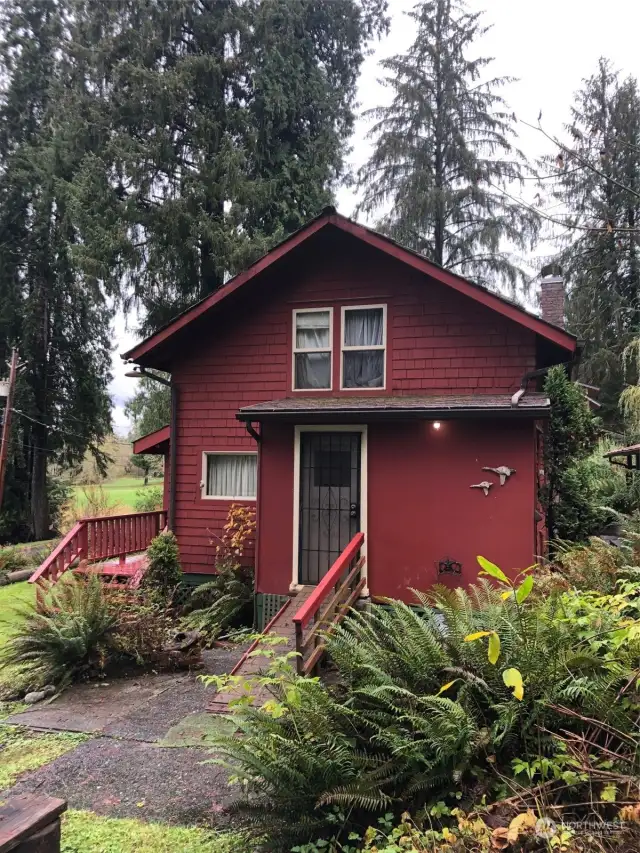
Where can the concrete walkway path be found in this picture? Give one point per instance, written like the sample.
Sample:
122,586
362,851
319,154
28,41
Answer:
146,751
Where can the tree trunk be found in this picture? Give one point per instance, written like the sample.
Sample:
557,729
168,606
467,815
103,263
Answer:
39,498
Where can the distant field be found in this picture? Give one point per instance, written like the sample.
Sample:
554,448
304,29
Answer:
121,491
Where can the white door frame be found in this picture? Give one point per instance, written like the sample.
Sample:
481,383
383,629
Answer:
362,429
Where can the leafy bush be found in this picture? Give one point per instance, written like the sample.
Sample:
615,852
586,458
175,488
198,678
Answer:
142,626
80,627
227,600
66,635
149,499
424,700
568,497
447,830
163,574
95,502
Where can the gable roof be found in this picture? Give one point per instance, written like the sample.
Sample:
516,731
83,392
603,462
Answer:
330,218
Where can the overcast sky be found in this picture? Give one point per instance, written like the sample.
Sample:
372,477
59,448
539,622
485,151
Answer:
550,46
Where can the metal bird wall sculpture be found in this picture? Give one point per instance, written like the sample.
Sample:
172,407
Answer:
485,485
503,471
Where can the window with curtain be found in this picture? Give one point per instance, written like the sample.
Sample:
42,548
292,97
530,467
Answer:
231,475
312,350
364,339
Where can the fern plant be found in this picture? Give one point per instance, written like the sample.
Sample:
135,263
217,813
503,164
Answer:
419,707
65,635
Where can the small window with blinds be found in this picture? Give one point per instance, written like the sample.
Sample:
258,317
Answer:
312,345
230,476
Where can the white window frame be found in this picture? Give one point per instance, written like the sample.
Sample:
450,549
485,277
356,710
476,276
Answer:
203,482
296,349
364,510
382,346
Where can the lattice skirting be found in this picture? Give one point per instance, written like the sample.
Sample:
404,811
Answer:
267,605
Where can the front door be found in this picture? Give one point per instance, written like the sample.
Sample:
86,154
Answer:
330,465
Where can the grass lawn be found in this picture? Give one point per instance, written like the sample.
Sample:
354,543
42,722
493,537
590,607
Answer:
85,832
24,750
120,492
10,596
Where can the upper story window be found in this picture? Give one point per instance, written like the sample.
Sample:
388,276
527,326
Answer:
313,335
364,341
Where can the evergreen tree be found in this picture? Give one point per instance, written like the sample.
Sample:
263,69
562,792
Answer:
568,497
223,125
599,183
149,408
443,152
54,315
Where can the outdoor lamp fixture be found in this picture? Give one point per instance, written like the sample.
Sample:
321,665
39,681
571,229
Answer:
436,425
139,372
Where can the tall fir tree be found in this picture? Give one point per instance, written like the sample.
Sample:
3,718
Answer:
223,125
444,154
56,317
599,185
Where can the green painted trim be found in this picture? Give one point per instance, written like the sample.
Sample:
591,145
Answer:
192,579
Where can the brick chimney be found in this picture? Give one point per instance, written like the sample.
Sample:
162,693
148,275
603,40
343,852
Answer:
552,295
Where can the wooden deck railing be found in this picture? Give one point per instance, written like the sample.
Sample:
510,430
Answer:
103,538
328,604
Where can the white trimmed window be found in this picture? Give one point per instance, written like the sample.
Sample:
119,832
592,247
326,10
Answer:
312,346
364,342
230,476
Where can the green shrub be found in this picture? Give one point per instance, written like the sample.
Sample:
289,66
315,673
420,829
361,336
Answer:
424,702
163,574
143,626
231,597
567,496
149,499
65,636
227,600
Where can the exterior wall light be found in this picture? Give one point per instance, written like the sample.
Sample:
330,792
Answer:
437,424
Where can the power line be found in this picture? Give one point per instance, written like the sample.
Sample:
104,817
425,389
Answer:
49,426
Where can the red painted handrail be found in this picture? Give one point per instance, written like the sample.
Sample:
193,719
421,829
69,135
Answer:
328,582
101,538
52,566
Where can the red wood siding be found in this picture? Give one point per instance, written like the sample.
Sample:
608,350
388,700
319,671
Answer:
421,508
438,341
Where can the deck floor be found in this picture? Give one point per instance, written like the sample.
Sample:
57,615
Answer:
254,665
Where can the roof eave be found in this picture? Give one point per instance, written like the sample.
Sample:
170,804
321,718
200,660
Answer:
153,442
299,416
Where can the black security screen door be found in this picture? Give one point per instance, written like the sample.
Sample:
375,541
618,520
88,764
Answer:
329,499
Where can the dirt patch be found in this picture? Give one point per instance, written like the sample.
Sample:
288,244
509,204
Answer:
132,779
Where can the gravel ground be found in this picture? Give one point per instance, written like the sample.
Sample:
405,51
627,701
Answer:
121,778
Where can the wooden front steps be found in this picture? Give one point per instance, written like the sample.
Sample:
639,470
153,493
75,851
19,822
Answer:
282,625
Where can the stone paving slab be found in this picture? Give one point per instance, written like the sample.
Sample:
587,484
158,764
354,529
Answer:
131,779
94,707
140,708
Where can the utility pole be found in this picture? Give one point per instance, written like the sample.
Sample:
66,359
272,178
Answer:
6,425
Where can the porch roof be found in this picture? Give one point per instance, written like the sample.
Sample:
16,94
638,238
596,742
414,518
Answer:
154,442
328,409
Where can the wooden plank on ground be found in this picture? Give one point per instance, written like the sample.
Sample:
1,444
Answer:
22,816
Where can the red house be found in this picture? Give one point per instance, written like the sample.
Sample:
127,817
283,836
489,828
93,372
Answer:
344,384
